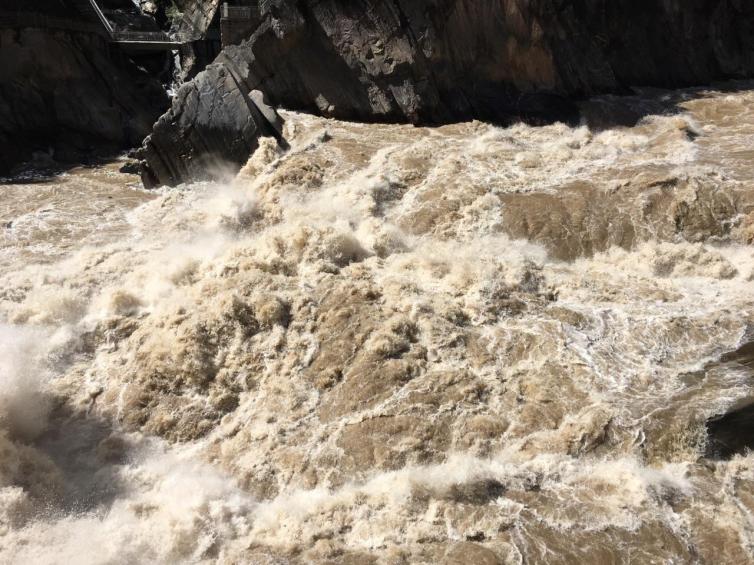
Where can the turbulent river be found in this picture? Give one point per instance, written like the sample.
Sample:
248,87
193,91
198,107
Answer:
390,344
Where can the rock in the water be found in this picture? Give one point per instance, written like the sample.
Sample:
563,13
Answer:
211,130
131,168
733,432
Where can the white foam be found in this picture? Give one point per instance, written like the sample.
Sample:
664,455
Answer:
203,324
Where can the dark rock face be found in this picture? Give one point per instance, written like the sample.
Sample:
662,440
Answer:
435,61
61,90
733,432
212,127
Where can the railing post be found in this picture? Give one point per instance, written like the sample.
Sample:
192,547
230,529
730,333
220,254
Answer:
101,16
237,12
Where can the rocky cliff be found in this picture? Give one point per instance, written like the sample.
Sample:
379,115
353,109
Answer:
63,88
437,61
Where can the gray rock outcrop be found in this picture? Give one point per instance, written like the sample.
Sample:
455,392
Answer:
212,127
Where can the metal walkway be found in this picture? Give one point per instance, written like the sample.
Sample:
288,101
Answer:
146,40
130,40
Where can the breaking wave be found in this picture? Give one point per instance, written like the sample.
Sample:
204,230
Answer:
387,344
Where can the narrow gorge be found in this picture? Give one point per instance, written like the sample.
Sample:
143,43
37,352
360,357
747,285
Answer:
444,281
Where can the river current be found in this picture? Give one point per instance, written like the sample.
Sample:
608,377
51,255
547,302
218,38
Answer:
390,344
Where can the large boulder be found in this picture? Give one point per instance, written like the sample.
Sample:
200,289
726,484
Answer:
211,129
437,61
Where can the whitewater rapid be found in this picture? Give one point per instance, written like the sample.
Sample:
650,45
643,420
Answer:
388,344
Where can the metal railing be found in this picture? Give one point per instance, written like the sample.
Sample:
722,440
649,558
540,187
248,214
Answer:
101,16
239,12
37,20
132,36
142,36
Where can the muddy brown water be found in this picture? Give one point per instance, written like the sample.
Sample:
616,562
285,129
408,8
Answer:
389,344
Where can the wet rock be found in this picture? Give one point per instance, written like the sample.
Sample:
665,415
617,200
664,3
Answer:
733,432
131,168
212,128
476,492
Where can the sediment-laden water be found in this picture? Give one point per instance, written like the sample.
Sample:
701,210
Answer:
464,344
